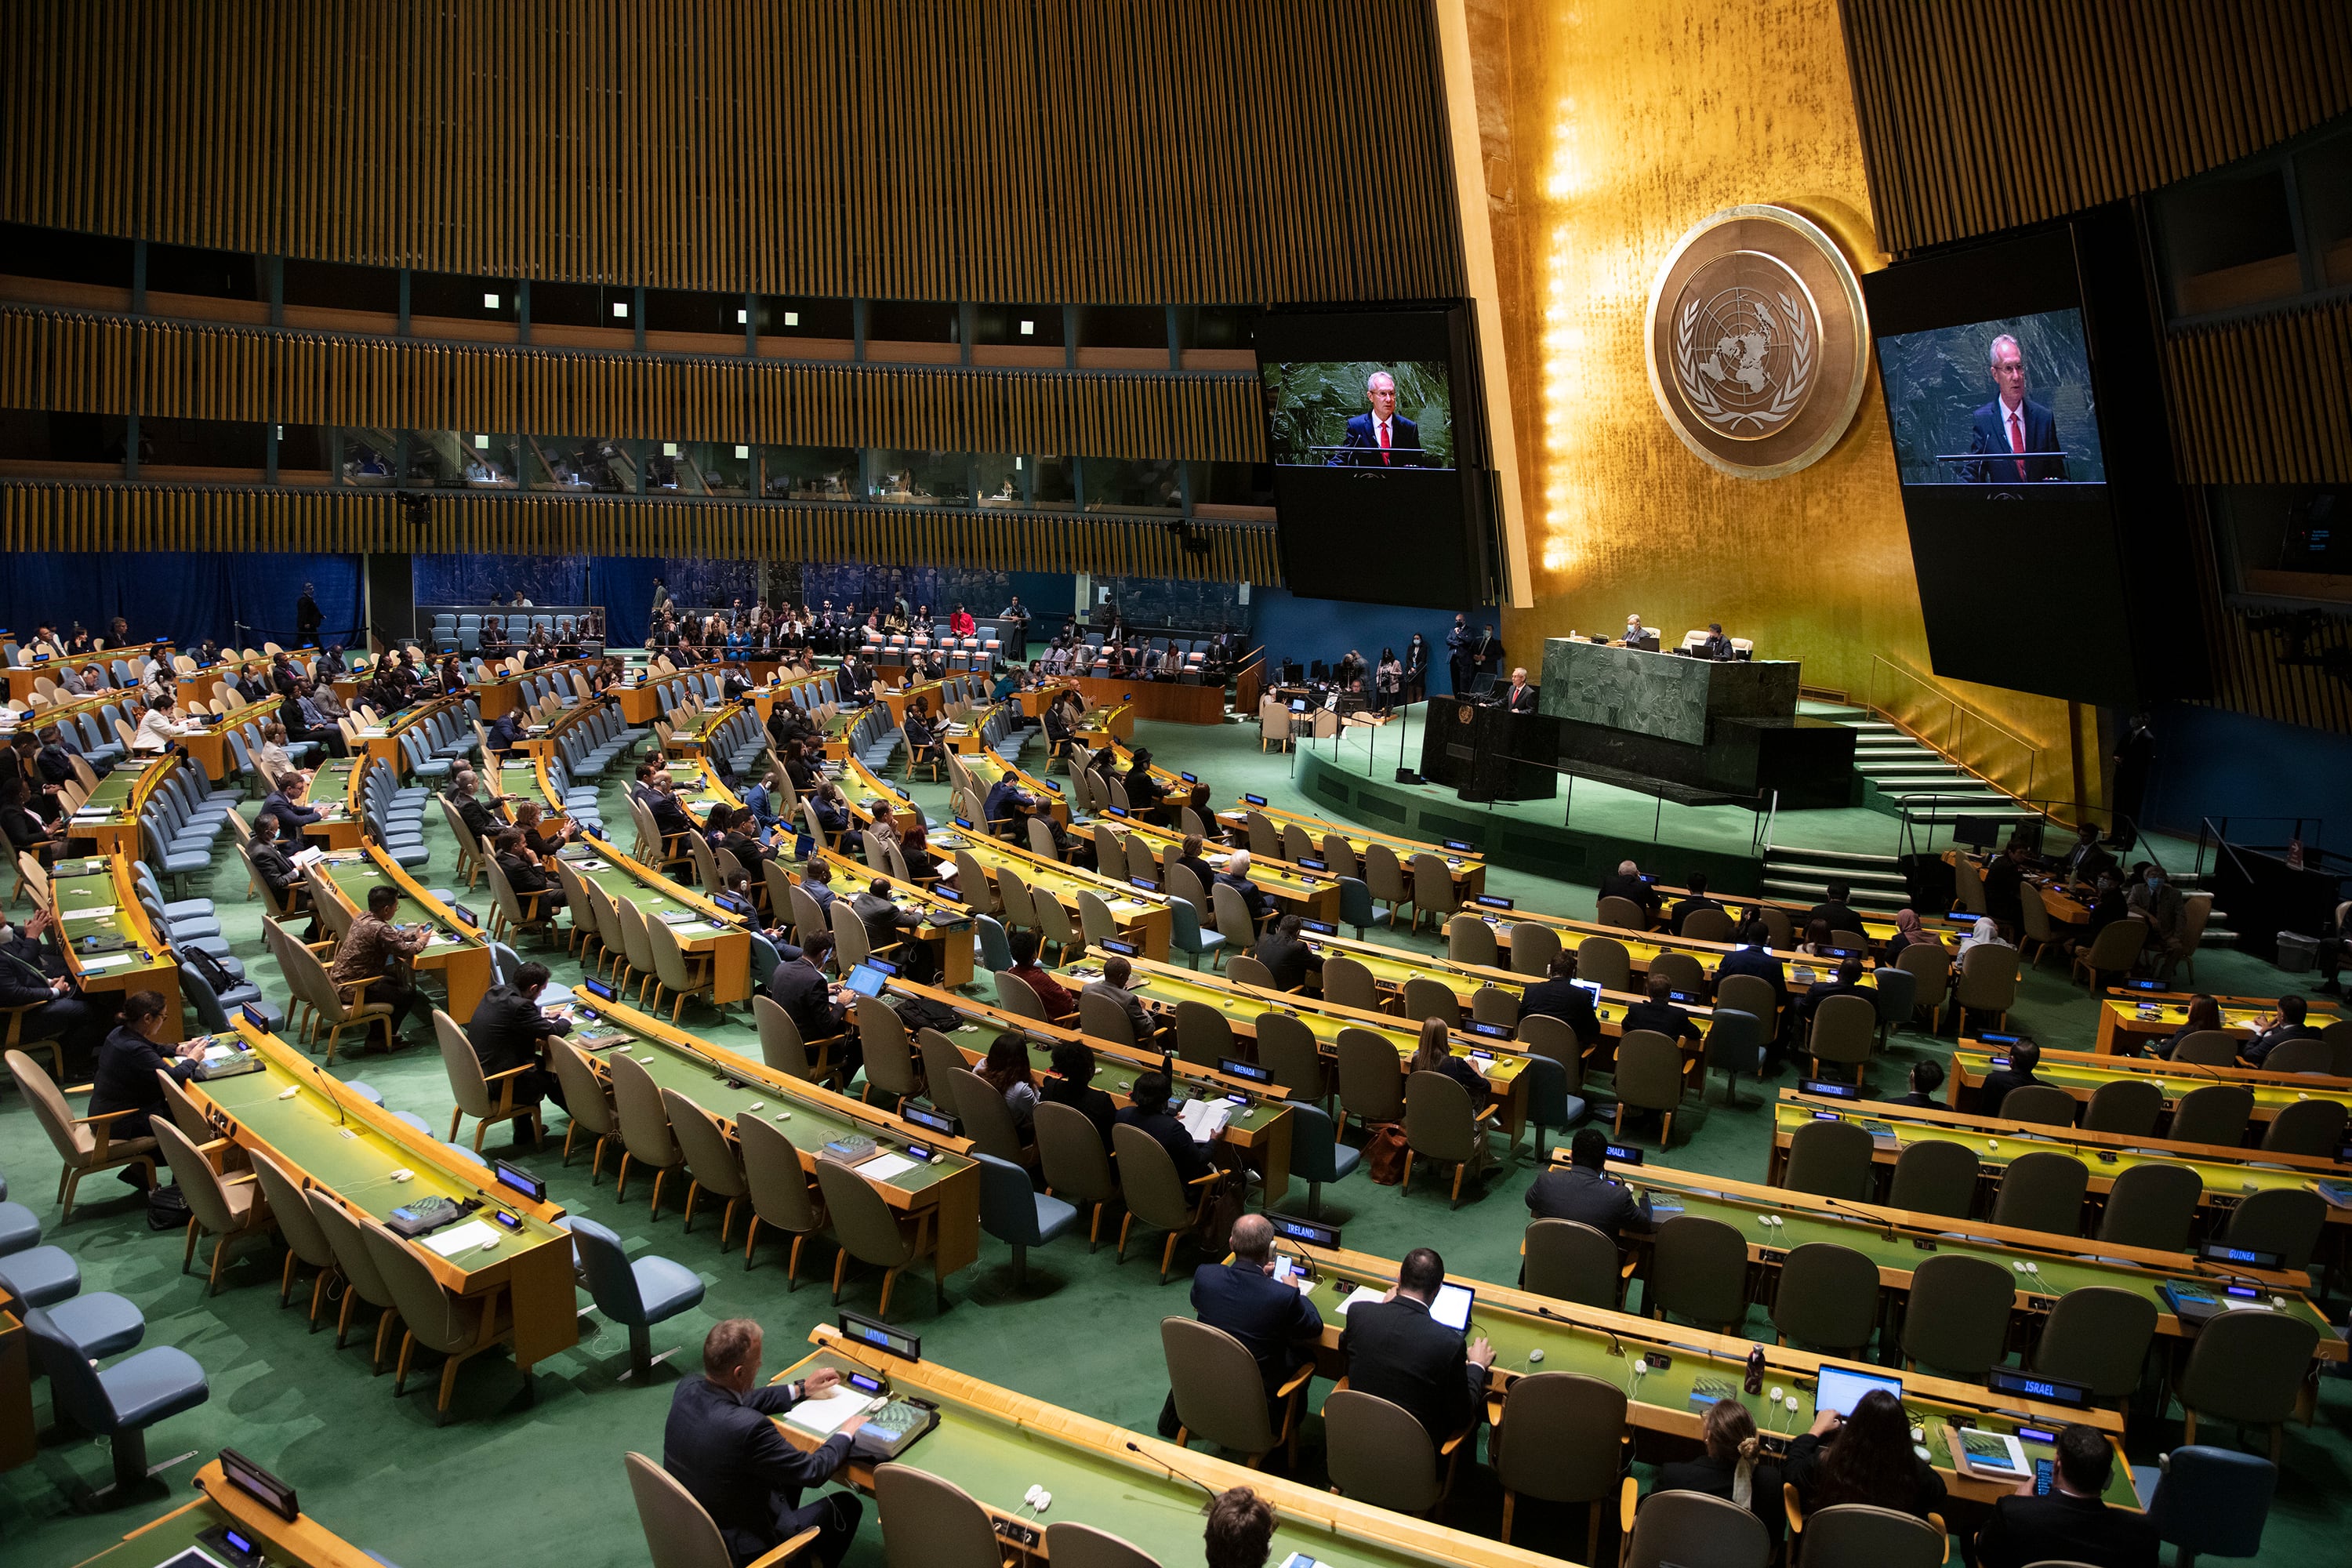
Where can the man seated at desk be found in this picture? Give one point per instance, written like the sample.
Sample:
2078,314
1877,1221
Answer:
1627,883
1289,958
1272,1319
1583,1192
1658,1014
2086,860
1714,644
1639,636
1520,698
1560,997
1395,1350
1236,875
720,1444
509,1031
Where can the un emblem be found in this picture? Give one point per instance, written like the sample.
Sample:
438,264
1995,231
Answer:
1758,350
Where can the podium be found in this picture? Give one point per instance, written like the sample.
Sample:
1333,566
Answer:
1486,752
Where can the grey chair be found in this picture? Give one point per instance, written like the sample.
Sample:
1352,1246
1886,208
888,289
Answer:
1104,1020
2129,1107
679,1533
2151,1205
2043,1191
930,1523
587,1102
1469,939
1317,1155
2247,1368
713,1160
1699,1270
1220,1395
987,1119
2208,1048
1533,947
645,1136
1204,1037
1957,1321
1154,1192
433,1315
872,1232
2098,1337
2215,1113
2284,1220
1016,1214
778,1186
1071,1157
2043,1104
1851,1535
1827,1299
1831,1160
1440,1123
1573,1262
1069,1544
1935,1177
362,1282
1371,1079
1560,1439
1735,1044
1649,1075
306,1242
2306,1126
1604,960
1286,1049
889,1056
635,1295
1679,1529
1378,1452
1347,983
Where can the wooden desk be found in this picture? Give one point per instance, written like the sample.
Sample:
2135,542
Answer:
2083,1073
1642,946
1895,1240
1258,1135
299,1543
2065,907
1142,918
712,931
729,1086
1294,889
110,817
2229,1174
2131,1019
1469,870
996,1443
1703,1367
348,1149
108,884
1161,986
24,678
459,951
947,929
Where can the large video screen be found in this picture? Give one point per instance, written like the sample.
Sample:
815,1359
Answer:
1362,413
1379,483
2003,401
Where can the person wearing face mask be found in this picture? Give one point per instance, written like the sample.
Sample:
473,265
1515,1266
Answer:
2167,913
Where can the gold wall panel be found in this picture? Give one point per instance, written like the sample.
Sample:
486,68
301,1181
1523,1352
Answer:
1977,115
135,517
1613,126
111,365
1028,151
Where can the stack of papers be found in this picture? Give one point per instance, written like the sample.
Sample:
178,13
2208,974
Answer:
457,1238
820,1415
883,1167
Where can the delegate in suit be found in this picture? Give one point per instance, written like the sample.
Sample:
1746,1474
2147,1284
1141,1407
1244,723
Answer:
1271,1318
1395,1350
2013,422
1382,438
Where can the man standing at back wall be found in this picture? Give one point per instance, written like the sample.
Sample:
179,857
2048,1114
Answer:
2013,423
1383,439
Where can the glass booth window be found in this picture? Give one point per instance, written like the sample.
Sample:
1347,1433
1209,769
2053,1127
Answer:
584,305
1022,326
64,256
921,478
794,316
456,297
1145,485
808,473
213,274
369,456
580,463
460,459
912,321
2324,175
1022,482
1123,327
690,310
2229,241
333,286
696,470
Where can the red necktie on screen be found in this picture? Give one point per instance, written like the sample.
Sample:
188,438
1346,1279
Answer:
1384,443
2016,439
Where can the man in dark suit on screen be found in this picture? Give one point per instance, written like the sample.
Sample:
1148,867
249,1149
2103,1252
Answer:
1382,438
2013,422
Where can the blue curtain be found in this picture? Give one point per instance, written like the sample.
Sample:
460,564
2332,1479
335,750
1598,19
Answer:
475,579
187,596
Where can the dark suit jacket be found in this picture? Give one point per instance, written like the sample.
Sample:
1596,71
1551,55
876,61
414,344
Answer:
723,1449
2004,890
2257,1049
27,967
271,864
1361,449
1093,1102
1170,1134
1291,959
1252,896
1685,908
1989,432
2059,1528
800,990
1560,999
1271,1318
506,1029
1590,1198
125,1080
1664,1017
1803,1461
1395,1350
1617,885
1522,700
1997,1085
1840,916
2085,863
1759,963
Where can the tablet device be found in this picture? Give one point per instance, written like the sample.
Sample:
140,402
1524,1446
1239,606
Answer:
1453,1305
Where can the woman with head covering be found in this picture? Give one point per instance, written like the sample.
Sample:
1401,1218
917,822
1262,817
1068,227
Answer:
1908,932
1987,933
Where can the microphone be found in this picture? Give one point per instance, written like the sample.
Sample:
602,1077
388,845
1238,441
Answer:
326,1084
1865,1212
1134,1447
1616,1345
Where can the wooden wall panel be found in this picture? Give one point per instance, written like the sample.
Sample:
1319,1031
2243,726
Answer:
107,365
2265,400
1978,115
1034,151
132,517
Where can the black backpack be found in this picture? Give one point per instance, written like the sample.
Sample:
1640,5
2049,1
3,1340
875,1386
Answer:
167,1208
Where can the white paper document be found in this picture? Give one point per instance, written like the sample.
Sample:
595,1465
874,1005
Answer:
1361,1293
95,912
823,1415
458,1237
1205,1119
109,961
882,1167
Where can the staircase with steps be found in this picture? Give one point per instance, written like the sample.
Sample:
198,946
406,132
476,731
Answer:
1804,876
1900,771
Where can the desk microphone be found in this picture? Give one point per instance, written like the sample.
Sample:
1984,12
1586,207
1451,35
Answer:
1866,1213
327,1084
1616,1345
1134,1447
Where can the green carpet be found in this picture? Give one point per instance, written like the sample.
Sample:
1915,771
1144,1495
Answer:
526,1485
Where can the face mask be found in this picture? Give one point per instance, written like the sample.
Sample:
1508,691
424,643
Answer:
2156,884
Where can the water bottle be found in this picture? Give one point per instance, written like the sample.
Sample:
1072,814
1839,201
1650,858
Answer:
1755,1383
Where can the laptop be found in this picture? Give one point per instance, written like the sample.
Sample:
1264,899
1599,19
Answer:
865,979
1843,1387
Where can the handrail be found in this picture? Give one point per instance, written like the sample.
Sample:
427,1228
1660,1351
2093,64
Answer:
1953,747
1759,839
